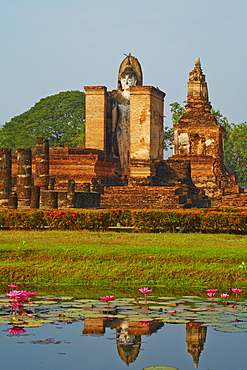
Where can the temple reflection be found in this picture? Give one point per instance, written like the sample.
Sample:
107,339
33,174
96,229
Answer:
195,339
128,334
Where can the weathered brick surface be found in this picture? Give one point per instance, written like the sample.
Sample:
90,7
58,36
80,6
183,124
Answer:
146,122
96,106
81,165
41,173
231,200
199,139
5,176
143,197
24,176
60,199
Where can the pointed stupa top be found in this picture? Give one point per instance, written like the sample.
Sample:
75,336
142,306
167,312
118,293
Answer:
197,86
198,64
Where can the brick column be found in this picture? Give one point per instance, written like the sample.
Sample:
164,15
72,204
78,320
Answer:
35,197
71,193
96,107
5,176
24,176
41,177
146,130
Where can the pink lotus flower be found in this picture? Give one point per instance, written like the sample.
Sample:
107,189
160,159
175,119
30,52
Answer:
145,290
16,330
224,295
146,323
211,294
236,290
30,294
12,286
212,290
18,295
15,304
107,299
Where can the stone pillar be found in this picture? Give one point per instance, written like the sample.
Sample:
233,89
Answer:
49,199
41,177
86,187
13,202
71,193
96,108
5,176
146,129
51,183
24,176
35,197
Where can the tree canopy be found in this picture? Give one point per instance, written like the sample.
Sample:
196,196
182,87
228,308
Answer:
60,118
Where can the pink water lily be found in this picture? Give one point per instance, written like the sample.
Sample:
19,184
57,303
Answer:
145,290
30,294
15,304
211,294
224,295
212,290
146,323
16,330
236,290
107,299
12,286
18,295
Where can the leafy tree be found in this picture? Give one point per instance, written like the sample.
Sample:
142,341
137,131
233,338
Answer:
168,135
60,118
236,151
176,110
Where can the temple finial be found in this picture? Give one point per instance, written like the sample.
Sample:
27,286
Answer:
197,63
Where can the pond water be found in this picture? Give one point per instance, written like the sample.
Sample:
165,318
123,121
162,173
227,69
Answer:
65,333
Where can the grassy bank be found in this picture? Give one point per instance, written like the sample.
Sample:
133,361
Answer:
122,260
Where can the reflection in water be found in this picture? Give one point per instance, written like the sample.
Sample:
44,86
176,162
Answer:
128,334
195,339
124,320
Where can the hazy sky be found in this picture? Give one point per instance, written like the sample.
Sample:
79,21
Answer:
48,46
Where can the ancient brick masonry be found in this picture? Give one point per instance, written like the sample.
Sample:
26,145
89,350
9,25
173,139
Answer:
5,176
41,175
76,174
122,165
24,176
199,139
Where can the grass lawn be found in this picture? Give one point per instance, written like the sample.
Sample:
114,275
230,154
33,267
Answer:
118,260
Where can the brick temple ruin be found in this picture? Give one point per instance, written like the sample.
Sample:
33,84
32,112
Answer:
122,165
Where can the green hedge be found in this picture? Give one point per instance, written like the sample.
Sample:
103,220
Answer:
195,220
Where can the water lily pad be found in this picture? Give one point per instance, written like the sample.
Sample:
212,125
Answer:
45,302
4,319
242,326
87,301
160,368
230,329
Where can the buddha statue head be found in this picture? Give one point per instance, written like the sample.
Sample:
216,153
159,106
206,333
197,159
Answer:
128,77
129,74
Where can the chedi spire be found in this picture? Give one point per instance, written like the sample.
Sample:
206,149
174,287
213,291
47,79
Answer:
197,86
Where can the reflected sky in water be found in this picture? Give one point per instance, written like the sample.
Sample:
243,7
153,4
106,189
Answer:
166,347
